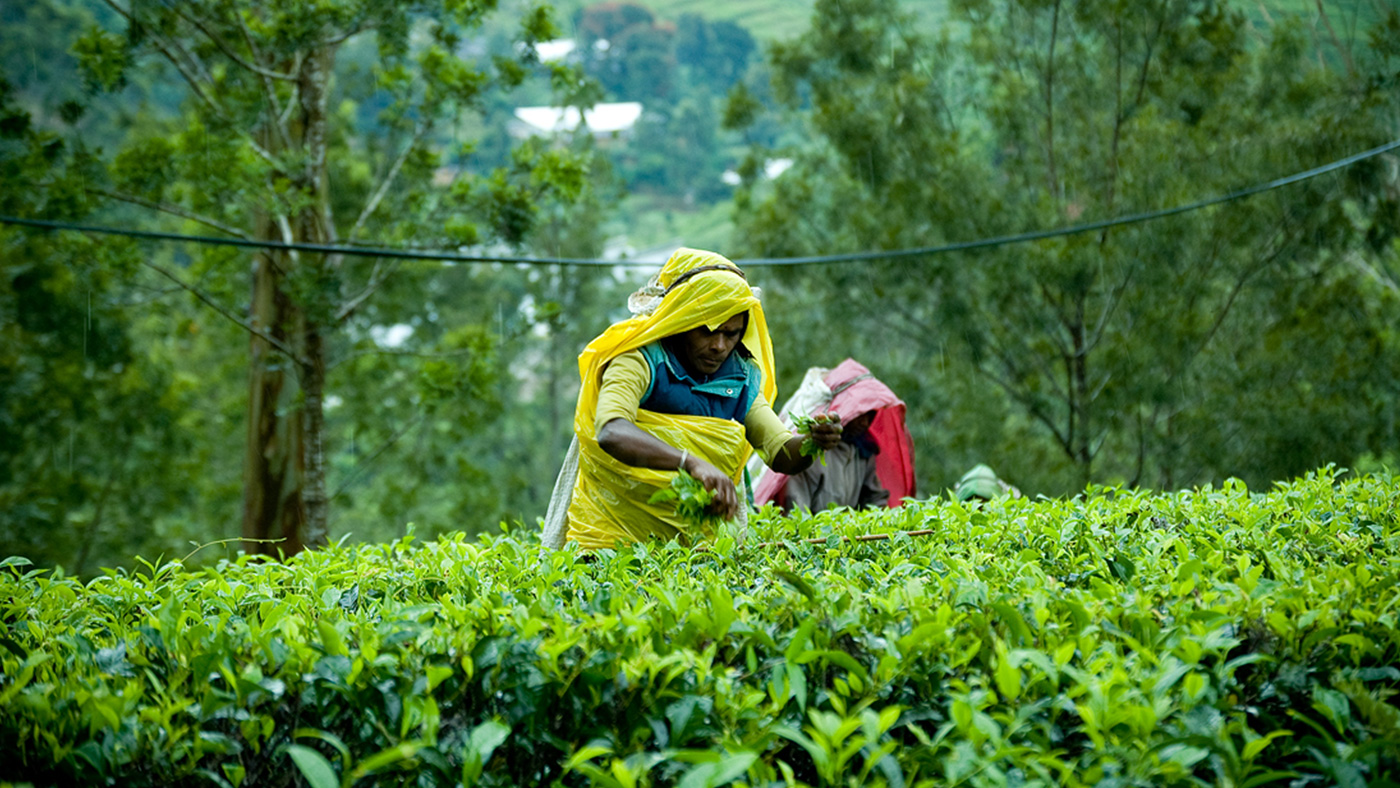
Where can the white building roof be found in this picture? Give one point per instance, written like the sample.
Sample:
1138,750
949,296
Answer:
554,51
772,168
601,119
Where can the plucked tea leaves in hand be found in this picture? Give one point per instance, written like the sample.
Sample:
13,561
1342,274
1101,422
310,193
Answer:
803,425
692,501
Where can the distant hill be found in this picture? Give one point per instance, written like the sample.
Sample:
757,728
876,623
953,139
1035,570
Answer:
764,19
776,19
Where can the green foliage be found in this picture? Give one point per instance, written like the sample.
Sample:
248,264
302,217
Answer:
1162,353
316,122
103,58
88,425
1214,637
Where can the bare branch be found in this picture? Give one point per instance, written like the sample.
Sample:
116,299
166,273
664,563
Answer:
196,83
388,181
295,98
337,40
1051,176
288,237
165,49
211,303
228,50
173,210
1115,298
1336,42
374,455
1010,355
376,278
1147,56
274,107
1382,277
1057,305
1034,408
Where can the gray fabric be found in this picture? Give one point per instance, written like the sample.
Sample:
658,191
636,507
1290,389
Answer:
556,520
847,479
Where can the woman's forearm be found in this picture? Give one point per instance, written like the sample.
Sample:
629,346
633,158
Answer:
627,443
789,460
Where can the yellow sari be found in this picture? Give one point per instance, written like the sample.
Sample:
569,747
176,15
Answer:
609,502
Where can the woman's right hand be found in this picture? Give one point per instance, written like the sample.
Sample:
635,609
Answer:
726,503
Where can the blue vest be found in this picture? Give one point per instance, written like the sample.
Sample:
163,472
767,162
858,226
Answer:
727,394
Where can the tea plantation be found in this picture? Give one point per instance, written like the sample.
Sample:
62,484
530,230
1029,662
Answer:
1217,637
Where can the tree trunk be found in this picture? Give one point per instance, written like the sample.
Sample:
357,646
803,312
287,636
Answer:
314,384
1081,445
315,225
284,473
272,460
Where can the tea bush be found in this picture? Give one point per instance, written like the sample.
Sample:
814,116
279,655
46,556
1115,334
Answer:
1215,637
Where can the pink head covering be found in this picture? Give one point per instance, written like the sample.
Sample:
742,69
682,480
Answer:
855,391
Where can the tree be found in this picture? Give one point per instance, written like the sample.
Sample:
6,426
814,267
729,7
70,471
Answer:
717,53
89,431
266,148
1039,114
627,50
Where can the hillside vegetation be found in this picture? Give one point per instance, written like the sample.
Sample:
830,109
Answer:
1220,637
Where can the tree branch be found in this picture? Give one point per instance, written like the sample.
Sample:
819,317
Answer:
1052,177
1336,42
173,210
389,177
194,80
1147,56
275,118
164,48
1115,297
376,278
288,237
228,50
212,304
355,30
1382,277
1034,408
294,99
1058,307
374,455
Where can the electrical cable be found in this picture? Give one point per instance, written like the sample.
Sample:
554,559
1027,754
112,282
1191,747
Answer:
460,258
1077,228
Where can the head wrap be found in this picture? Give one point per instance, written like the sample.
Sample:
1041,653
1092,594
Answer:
854,391
694,288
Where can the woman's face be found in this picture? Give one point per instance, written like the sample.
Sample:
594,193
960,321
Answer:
705,351
858,426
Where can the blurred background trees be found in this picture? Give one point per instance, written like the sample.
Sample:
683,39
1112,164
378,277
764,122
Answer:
1255,338
1247,339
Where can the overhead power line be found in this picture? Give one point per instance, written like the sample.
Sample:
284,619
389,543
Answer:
890,254
1037,235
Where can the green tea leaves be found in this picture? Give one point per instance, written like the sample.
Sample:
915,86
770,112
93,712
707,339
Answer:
803,425
313,766
990,644
693,501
